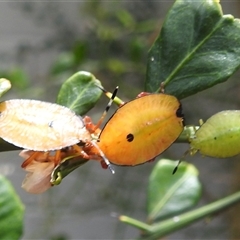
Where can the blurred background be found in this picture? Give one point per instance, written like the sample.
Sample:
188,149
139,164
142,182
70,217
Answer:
41,45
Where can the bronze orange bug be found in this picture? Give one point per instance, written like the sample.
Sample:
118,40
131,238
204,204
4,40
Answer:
42,126
141,129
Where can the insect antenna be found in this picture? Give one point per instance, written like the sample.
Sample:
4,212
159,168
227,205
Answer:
180,160
107,108
176,168
116,99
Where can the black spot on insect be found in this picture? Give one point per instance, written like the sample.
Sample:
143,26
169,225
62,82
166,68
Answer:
130,137
215,138
50,124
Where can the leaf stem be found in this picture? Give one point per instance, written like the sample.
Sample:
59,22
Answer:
134,222
168,226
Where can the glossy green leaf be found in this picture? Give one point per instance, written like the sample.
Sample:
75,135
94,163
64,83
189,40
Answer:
80,92
169,194
197,48
11,212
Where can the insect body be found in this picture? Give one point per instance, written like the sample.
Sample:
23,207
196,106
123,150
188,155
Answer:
141,129
40,126
219,136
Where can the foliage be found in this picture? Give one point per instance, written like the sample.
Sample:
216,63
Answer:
80,92
11,211
197,48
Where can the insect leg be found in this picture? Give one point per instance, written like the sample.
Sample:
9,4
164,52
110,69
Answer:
33,156
180,160
57,157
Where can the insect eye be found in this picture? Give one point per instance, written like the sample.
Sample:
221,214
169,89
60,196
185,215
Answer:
130,137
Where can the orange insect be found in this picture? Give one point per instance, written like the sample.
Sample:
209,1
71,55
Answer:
141,129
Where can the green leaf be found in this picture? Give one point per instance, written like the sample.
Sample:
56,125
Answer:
11,212
197,48
168,194
80,92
